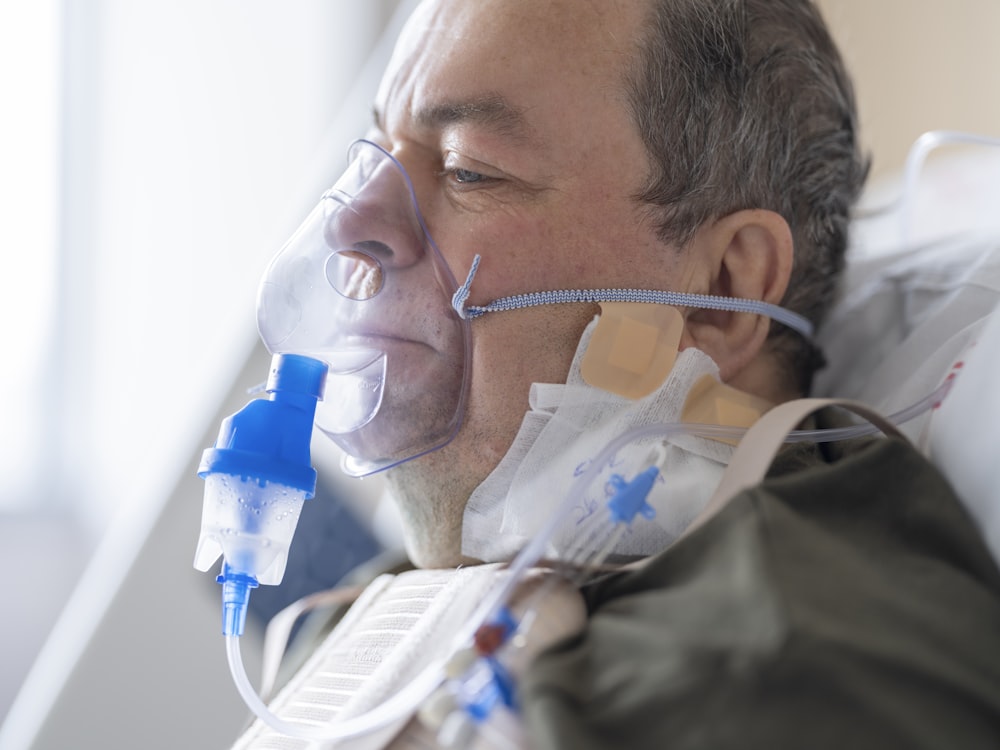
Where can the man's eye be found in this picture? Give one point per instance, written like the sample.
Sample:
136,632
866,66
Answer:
466,176
460,172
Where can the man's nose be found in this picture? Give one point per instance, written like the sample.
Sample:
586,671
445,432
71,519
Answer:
371,210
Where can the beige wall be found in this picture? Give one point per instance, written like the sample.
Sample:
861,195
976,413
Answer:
919,65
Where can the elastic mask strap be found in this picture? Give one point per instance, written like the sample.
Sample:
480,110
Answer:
678,299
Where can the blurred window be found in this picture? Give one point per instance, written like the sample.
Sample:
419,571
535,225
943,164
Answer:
153,158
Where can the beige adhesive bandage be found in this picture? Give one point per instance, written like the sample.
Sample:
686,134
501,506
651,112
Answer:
633,348
713,402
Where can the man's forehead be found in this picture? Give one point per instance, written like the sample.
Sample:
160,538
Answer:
499,53
530,24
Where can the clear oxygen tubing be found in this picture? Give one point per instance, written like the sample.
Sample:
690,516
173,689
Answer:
680,299
915,159
407,700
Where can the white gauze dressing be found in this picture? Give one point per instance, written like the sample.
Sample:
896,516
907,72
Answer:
565,428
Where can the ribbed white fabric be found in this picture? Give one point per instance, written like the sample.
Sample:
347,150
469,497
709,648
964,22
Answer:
397,627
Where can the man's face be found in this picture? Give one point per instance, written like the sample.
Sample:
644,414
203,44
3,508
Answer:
511,118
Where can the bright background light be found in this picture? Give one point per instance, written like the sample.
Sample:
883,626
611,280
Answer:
29,191
153,157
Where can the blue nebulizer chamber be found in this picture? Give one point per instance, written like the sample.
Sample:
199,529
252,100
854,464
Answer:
257,476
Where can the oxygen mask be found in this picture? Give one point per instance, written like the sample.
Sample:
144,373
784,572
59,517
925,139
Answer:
361,287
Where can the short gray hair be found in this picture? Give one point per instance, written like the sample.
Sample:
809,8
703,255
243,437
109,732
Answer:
747,104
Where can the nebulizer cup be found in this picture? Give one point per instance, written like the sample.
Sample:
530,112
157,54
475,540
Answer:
257,476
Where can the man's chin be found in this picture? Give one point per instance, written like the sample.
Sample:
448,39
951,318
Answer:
431,493
434,559
430,515
434,551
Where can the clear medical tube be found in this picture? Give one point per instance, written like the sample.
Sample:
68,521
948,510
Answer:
651,296
914,410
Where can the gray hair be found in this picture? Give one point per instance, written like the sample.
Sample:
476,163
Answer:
747,104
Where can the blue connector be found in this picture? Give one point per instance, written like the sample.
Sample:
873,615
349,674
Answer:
268,439
486,686
236,589
630,497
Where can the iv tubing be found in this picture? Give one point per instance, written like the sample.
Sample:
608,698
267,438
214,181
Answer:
404,702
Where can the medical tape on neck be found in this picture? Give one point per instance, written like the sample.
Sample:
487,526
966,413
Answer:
711,401
633,349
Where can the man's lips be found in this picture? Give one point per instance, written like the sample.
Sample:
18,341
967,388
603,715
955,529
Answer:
372,339
360,351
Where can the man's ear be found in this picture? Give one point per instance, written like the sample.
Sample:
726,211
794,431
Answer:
745,254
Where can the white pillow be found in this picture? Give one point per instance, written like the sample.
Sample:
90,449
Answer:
903,321
966,433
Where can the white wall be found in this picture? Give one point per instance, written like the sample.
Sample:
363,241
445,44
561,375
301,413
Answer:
918,65
197,143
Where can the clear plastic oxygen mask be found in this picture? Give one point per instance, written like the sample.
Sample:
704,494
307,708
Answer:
361,287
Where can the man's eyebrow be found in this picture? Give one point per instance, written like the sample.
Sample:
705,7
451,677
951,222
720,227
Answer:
492,111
